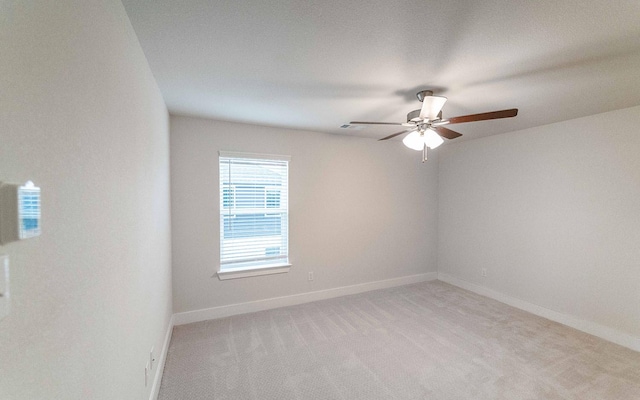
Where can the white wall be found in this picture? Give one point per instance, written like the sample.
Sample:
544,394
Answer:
553,214
360,211
83,118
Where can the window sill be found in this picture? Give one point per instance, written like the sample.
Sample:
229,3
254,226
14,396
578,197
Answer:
253,271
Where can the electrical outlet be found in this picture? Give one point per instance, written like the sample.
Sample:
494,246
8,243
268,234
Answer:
146,375
151,359
484,272
310,276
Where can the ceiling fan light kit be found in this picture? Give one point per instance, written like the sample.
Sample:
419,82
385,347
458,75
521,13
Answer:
413,141
432,139
425,126
416,140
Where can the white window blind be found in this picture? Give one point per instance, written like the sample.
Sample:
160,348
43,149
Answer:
254,210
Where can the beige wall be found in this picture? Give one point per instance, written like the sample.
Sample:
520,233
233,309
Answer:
360,211
83,118
552,213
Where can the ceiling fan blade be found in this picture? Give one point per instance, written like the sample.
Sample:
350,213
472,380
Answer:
396,134
447,133
375,123
431,106
484,116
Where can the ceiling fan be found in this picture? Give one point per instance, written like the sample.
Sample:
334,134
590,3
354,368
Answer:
425,126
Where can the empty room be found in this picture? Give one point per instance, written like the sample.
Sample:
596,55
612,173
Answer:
291,199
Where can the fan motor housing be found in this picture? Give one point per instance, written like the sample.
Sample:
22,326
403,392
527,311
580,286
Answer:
413,116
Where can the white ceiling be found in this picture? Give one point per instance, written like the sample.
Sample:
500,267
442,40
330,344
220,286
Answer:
316,65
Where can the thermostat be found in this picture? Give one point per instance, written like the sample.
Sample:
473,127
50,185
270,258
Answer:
19,211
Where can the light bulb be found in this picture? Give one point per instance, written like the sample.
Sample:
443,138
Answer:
414,141
432,139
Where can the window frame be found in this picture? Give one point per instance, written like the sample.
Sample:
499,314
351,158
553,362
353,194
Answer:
258,268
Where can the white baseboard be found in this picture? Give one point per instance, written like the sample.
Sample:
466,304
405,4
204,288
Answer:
592,328
276,302
155,388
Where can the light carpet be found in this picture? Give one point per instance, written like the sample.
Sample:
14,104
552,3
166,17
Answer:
428,340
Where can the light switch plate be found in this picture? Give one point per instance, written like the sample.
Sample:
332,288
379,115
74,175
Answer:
5,298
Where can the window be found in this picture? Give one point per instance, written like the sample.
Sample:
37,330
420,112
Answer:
254,214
